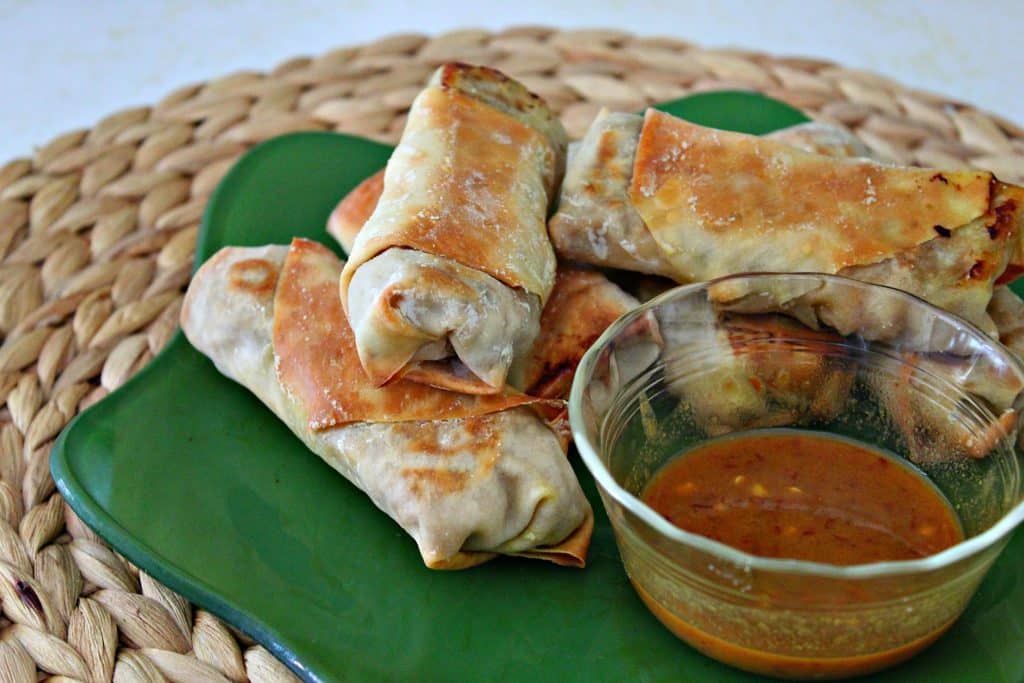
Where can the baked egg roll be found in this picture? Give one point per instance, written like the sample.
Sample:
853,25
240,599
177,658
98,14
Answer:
467,476
446,281
674,198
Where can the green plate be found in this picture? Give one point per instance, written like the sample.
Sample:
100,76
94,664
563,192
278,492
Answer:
192,479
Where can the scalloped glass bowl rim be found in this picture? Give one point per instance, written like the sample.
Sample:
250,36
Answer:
976,544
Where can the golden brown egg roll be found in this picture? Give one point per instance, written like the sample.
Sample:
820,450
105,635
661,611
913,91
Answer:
696,203
446,281
467,476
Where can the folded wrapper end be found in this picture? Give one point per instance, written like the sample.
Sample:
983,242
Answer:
426,318
595,222
451,375
572,552
461,560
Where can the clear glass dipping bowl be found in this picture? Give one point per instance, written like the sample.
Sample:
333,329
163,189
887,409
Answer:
808,352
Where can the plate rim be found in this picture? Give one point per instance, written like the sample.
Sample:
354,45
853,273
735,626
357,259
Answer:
141,554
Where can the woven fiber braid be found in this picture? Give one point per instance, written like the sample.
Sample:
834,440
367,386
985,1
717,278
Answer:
97,233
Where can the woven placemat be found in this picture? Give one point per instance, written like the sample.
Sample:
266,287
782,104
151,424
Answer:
97,232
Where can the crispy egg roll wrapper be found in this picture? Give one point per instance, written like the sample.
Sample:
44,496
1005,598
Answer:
446,282
750,388
597,220
467,476
836,141
583,303
354,209
763,384
717,203
582,306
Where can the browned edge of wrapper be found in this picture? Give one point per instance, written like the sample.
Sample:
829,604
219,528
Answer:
570,552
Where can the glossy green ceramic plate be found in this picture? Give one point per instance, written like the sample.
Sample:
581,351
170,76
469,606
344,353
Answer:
190,477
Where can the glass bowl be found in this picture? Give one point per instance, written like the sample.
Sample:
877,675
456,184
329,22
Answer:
807,352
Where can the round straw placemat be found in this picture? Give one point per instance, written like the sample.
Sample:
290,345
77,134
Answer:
97,232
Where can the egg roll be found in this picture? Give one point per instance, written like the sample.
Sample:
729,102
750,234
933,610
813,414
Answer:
583,303
469,477
446,282
597,220
701,203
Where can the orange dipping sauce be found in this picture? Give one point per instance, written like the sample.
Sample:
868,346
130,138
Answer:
806,497
801,495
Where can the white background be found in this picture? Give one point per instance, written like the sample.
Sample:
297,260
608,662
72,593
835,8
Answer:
66,63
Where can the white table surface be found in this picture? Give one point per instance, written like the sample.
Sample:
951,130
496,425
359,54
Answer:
66,63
